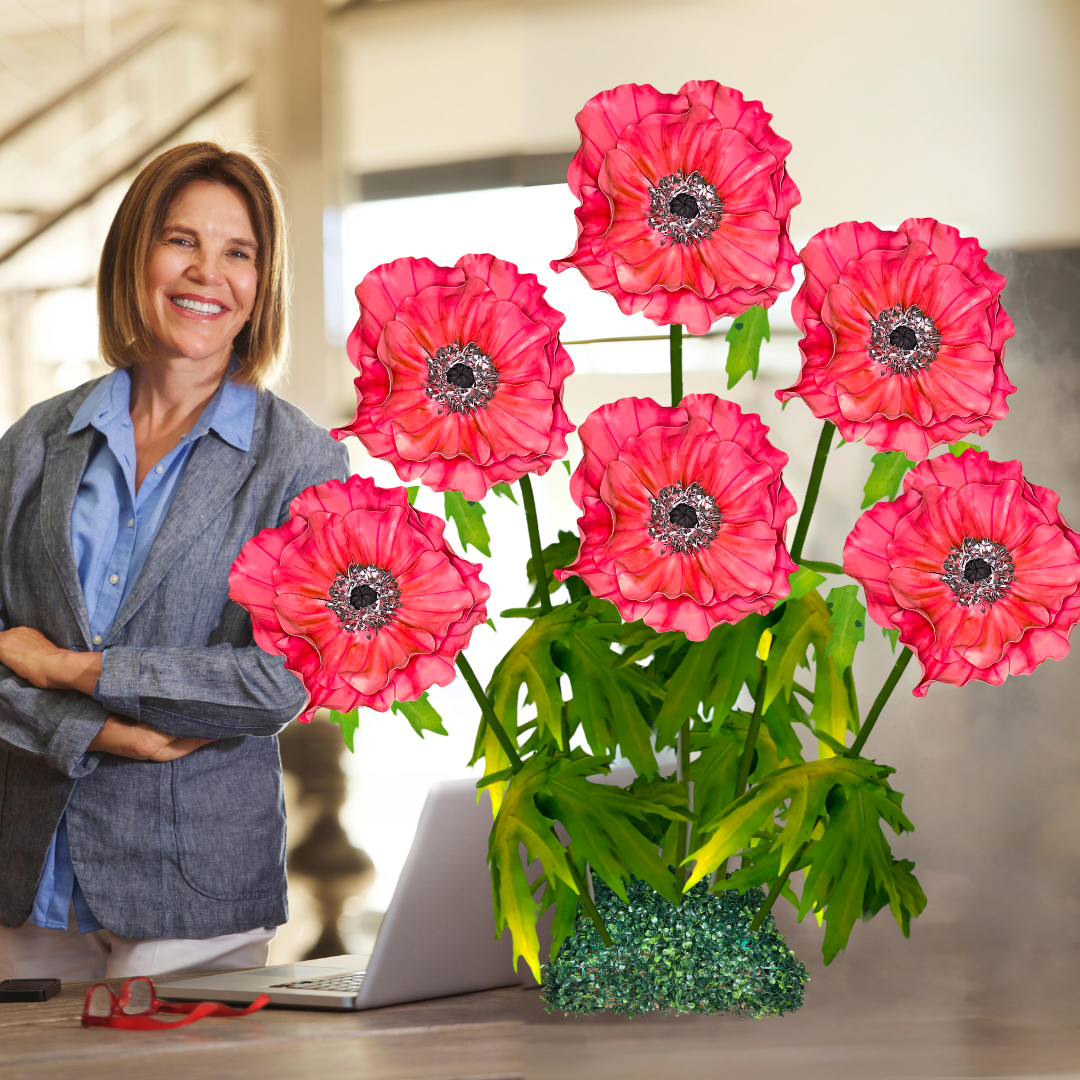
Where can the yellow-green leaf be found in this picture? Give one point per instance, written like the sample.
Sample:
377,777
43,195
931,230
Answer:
744,343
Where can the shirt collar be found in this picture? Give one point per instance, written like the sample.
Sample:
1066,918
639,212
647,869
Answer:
230,412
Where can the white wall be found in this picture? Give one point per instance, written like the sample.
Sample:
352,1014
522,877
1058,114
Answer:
962,109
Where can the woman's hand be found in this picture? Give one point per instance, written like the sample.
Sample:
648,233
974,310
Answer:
127,738
33,657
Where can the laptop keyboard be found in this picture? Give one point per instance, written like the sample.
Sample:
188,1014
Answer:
349,983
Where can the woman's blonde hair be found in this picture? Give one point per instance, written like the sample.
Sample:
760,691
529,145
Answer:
124,334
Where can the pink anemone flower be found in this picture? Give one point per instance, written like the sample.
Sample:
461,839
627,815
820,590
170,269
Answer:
361,594
974,566
461,373
685,203
684,511
904,334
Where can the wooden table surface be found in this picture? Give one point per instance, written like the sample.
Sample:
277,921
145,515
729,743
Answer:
931,1013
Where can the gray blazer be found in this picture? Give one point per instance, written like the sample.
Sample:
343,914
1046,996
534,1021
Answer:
190,848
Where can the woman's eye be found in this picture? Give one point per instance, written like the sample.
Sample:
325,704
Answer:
179,240
241,254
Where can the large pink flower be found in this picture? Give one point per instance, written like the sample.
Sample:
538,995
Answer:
974,566
361,594
684,512
461,373
904,333
685,203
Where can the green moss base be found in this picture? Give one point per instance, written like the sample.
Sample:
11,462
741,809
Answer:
698,958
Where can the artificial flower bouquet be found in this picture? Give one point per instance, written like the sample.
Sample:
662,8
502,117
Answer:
679,615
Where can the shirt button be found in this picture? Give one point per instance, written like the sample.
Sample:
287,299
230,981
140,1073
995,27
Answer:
96,639
131,523
160,469
114,579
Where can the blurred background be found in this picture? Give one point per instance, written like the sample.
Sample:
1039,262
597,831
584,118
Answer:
439,127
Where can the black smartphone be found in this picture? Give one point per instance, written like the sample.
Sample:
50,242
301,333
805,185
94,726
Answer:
28,989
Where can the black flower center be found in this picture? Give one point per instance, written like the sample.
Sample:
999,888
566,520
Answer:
684,209
903,338
684,205
461,376
684,516
363,596
979,572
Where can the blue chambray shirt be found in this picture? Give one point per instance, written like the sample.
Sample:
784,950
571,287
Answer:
112,530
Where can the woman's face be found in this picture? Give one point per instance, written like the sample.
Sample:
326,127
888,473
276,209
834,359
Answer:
201,275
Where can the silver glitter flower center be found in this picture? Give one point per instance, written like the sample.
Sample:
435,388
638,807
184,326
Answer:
979,572
684,518
461,378
903,342
364,599
684,209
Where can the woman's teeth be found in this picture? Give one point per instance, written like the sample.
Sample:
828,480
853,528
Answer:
197,306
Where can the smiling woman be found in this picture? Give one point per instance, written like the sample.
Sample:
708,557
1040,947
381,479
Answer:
141,783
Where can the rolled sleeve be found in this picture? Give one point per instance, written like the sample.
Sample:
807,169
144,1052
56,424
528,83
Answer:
118,685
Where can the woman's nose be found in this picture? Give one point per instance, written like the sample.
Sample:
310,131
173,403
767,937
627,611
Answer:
207,269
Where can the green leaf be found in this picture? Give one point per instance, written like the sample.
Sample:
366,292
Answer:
744,343
519,821
803,788
412,492
491,623
885,476
848,624
469,519
566,466
803,580
556,556
606,695
348,722
824,567
834,711
957,448
421,715
779,719
505,491
892,635
805,622
853,872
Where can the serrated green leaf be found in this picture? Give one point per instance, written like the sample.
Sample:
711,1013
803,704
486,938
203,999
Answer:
556,556
834,713
852,865
505,491
411,493
805,623
779,719
606,695
469,519
803,580
421,714
848,624
803,788
744,343
885,476
957,448
348,722
891,635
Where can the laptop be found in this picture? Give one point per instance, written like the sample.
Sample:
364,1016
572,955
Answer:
437,937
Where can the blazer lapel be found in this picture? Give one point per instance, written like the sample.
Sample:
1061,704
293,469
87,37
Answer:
213,475
65,462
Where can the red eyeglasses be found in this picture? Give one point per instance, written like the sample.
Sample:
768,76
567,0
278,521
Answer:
136,1005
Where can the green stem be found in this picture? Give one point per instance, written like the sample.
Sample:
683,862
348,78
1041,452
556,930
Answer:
812,489
884,694
752,732
683,832
488,711
777,889
534,540
587,901
675,337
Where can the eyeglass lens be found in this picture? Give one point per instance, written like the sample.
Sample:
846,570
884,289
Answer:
140,997
101,1002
